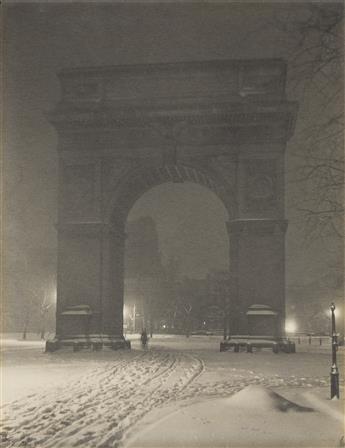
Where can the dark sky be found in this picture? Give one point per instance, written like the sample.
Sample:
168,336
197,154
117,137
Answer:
42,38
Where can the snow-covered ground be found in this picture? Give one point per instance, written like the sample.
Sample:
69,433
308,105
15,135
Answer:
107,398
255,416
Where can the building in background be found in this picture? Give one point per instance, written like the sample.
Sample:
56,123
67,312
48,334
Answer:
144,276
157,297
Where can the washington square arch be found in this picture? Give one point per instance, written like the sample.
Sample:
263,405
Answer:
125,129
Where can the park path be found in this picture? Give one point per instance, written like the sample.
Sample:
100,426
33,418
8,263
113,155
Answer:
101,406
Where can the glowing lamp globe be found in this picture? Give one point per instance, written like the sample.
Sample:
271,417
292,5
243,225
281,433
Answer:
290,326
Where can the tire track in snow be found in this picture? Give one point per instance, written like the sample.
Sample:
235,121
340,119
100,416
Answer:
79,386
162,389
201,369
128,393
29,416
193,366
97,410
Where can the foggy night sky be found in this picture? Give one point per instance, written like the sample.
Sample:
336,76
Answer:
43,38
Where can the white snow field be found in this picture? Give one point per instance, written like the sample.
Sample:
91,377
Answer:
179,392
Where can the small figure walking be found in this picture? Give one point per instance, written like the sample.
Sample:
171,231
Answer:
144,338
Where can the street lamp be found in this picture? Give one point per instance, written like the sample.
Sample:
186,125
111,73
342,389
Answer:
334,368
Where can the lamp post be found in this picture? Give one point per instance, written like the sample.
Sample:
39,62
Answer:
334,368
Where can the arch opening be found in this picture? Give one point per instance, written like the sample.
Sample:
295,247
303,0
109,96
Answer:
176,275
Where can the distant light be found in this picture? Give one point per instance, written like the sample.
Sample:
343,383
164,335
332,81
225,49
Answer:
290,326
204,323
164,326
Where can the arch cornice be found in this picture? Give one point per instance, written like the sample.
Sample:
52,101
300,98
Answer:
180,123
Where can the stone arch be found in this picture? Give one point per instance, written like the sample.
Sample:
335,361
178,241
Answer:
224,125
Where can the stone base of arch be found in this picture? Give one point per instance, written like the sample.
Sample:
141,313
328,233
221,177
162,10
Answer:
94,342
247,343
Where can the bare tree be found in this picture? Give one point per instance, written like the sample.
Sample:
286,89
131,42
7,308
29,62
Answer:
27,316
315,33
187,307
44,309
38,302
172,269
